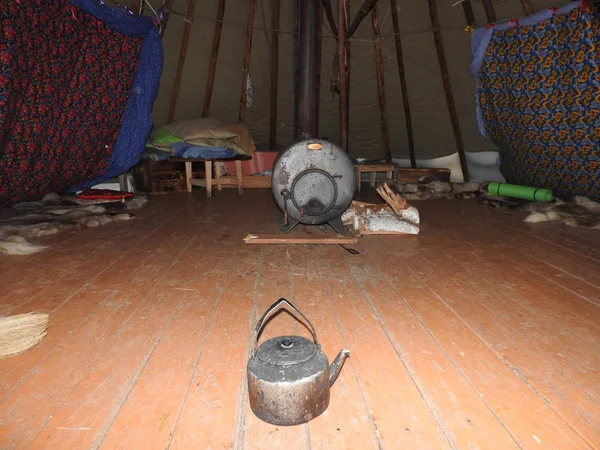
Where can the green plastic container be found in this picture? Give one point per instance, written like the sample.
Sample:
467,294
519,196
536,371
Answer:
523,192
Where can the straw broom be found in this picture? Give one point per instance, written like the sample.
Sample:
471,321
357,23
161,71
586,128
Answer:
20,332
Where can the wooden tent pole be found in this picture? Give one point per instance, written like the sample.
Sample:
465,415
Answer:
136,6
403,85
182,54
330,18
274,75
439,45
318,57
489,11
214,56
527,7
469,15
385,133
364,10
342,76
247,53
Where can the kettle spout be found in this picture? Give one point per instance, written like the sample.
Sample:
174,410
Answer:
336,366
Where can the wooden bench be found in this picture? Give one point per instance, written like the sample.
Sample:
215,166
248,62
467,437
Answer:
373,169
208,182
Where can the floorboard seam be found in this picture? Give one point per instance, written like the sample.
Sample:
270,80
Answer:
117,333
238,440
42,291
141,369
77,327
359,384
400,354
555,282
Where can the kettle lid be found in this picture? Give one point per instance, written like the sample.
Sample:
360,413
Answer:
287,350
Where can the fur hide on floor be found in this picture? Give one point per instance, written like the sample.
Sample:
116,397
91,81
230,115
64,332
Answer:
579,212
55,213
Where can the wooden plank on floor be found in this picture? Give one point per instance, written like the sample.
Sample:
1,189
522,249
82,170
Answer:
148,415
68,310
557,275
467,420
273,283
490,261
210,414
89,411
88,266
516,278
556,233
140,356
586,269
305,238
512,298
156,398
464,302
558,366
347,422
41,393
147,422
62,265
548,260
401,407
521,410
453,341
553,236
507,261
208,417
68,257
546,366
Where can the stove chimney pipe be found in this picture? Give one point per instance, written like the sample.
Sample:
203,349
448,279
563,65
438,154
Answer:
307,68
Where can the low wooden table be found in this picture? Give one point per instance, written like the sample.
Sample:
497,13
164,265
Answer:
373,169
218,180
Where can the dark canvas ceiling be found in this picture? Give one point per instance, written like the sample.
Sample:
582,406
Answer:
431,123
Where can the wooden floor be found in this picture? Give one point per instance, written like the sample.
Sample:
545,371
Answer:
480,333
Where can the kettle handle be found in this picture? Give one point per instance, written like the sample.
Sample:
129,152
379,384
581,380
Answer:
272,308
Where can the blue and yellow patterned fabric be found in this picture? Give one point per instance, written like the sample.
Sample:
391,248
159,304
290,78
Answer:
538,97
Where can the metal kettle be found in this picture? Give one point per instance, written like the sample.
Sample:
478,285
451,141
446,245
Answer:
289,377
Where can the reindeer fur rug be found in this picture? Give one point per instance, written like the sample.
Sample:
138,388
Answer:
579,212
427,189
55,213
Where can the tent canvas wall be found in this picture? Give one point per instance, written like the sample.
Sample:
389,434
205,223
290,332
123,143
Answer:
432,128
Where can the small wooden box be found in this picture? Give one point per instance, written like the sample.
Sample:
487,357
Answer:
159,177
409,175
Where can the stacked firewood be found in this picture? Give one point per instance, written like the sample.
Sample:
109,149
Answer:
396,201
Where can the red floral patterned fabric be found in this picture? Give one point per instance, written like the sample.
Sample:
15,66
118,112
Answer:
65,78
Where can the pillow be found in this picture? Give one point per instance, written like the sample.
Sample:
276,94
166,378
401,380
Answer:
161,137
214,143
205,128
243,138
